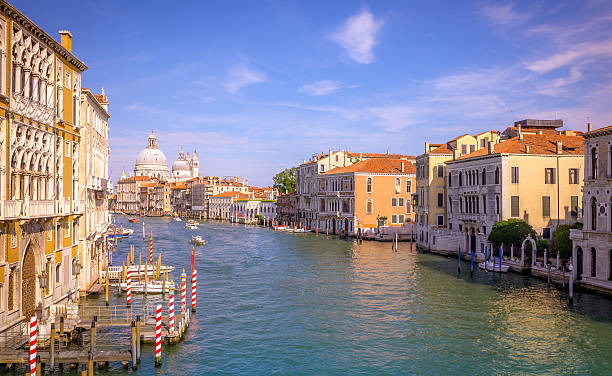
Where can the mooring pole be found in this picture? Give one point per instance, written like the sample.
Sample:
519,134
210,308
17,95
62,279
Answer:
472,262
138,324
134,361
52,348
459,261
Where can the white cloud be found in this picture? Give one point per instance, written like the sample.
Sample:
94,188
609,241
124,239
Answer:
324,87
240,76
396,118
358,36
504,14
578,52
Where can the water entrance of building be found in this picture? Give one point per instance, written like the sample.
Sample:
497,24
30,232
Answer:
28,283
579,257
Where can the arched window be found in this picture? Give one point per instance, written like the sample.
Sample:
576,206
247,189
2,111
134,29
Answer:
369,206
450,180
460,178
593,262
496,175
369,185
58,273
398,185
593,214
594,162
496,204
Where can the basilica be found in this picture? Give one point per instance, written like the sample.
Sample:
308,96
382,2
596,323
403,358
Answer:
152,162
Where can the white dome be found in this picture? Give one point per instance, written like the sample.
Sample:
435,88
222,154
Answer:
151,157
181,165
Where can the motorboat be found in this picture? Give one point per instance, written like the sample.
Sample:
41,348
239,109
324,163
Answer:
192,222
177,219
133,220
493,267
301,230
280,227
153,287
191,226
115,272
124,232
198,240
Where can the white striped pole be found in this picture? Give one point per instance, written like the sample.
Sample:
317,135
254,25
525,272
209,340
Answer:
183,293
33,337
158,313
129,287
171,312
194,277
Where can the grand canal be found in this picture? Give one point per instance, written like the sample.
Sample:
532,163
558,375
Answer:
277,303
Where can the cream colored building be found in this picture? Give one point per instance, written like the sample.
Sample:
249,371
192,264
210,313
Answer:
534,177
93,172
429,200
220,205
592,246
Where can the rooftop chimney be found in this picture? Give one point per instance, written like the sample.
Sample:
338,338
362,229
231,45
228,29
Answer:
402,166
520,136
490,147
589,127
426,147
519,130
540,132
526,149
559,147
66,39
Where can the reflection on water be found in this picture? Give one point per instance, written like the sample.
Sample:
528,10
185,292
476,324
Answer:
271,302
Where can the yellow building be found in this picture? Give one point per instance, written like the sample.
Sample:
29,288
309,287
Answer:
429,199
39,216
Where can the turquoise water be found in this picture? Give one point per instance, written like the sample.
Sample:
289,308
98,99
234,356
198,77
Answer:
277,303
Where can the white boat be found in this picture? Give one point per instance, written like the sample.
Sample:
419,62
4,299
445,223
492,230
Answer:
128,231
301,230
191,226
192,222
177,219
280,227
198,240
115,271
153,287
493,268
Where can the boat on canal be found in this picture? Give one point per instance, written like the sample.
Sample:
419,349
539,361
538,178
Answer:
177,219
198,240
153,287
489,266
114,272
133,220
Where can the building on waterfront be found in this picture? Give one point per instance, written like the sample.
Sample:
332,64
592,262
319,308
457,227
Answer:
151,161
258,207
93,171
220,205
40,211
128,194
429,198
533,176
185,167
286,208
178,199
366,196
592,246
307,178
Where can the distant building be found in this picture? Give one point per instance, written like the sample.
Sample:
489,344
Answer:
286,208
220,205
592,246
151,161
185,167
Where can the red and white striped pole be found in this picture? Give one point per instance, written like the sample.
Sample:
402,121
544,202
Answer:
158,313
128,282
171,312
183,292
33,352
193,290
151,248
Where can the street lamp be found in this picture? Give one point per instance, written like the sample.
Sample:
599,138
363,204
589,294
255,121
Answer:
76,268
43,280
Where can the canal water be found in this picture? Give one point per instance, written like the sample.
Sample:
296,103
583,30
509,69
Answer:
278,303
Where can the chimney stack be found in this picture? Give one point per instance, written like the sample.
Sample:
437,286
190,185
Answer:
426,147
559,147
490,147
66,39
540,132
589,127
520,136
402,166
519,131
526,149
454,154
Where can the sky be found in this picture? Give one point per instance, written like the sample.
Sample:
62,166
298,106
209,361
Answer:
258,86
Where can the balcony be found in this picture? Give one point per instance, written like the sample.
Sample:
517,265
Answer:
38,208
78,206
63,206
10,209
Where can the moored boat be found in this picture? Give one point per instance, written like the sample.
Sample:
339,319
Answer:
133,220
198,240
493,267
153,287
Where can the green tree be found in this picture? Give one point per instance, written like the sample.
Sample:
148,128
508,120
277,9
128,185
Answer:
286,180
512,231
563,243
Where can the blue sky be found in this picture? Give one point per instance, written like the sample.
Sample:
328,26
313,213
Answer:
256,87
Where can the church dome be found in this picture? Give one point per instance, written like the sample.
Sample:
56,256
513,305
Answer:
151,155
181,165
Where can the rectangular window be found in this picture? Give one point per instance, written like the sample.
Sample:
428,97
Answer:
322,168
400,218
515,175
546,206
450,226
484,204
440,200
400,201
393,201
408,186
67,229
67,149
514,206
472,148
549,176
574,206
546,233
408,207
463,149
394,218
573,176
440,220
440,171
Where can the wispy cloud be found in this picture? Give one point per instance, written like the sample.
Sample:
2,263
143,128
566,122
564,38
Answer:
573,54
240,76
358,36
324,87
504,14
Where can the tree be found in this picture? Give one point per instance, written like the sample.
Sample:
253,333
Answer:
563,243
285,181
512,231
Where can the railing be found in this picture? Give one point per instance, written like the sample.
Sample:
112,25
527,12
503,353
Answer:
63,206
9,209
15,337
78,206
38,208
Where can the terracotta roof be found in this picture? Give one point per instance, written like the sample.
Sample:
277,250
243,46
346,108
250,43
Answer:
376,165
545,144
180,186
481,133
443,149
146,185
458,137
135,178
609,127
379,155
232,194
